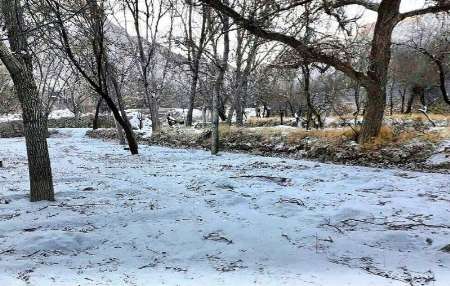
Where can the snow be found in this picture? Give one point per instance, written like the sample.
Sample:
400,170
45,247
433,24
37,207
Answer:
134,116
441,155
55,114
10,117
197,114
184,217
61,113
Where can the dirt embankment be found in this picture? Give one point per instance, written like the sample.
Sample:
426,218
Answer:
14,128
395,148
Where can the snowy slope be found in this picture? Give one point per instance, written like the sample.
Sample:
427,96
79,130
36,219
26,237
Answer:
182,217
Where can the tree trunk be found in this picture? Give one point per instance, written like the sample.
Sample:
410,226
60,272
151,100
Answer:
35,130
215,122
204,109
391,98
442,82
374,113
230,114
380,57
97,113
412,98
403,93
239,110
311,112
219,84
19,65
111,75
192,95
154,114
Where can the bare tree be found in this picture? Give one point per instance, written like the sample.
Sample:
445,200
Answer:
375,79
196,48
151,15
18,61
93,15
435,47
219,82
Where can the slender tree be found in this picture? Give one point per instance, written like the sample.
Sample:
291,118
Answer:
196,48
219,82
94,15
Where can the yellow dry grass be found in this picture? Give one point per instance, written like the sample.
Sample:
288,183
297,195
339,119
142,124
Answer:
388,137
419,117
332,135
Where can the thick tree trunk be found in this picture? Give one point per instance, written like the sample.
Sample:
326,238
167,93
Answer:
374,113
239,109
35,130
380,57
19,65
154,114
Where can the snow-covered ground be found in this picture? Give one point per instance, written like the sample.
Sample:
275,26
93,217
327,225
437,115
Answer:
55,114
183,217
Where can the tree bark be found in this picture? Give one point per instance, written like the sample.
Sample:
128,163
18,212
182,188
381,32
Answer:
442,82
219,83
197,54
402,94
19,65
192,95
379,59
374,113
97,113
112,79
97,15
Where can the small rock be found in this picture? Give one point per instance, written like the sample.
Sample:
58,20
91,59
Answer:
446,248
214,236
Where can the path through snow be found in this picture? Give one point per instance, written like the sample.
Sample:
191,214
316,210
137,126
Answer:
183,217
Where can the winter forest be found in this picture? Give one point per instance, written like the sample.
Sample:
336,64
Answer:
225,142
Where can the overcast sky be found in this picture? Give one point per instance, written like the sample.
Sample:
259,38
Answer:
367,16
412,4
407,5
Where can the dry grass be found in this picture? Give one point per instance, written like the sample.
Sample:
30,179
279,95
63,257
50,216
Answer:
265,122
419,117
387,136
227,131
292,136
332,134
